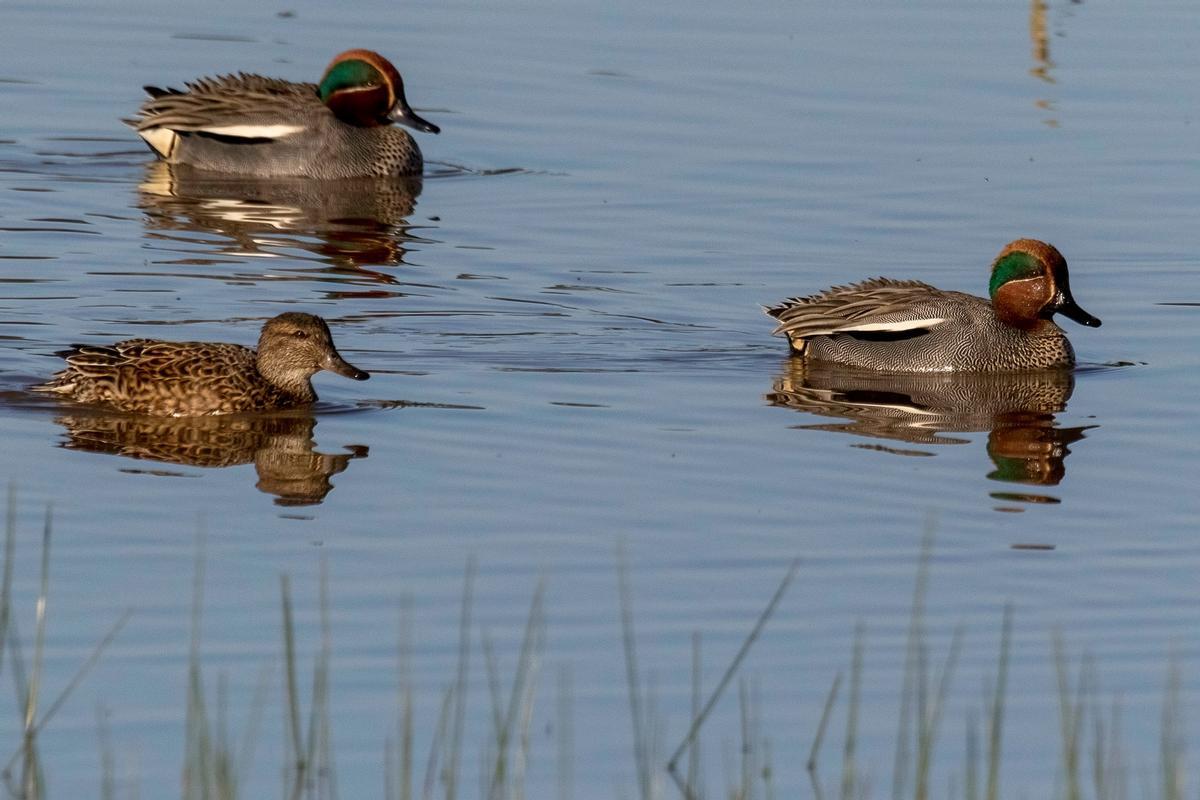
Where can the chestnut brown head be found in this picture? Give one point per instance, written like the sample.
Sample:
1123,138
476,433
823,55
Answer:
1030,283
362,88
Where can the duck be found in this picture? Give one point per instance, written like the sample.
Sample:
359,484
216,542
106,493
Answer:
192,379
892,325
253,125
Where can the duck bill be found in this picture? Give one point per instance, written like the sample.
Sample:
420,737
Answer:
401,113
335,363
1071,310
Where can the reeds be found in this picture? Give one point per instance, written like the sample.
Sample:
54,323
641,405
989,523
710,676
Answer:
924,691
1093,761
27,782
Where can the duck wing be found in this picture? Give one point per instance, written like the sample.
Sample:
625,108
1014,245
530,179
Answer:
159,361
239,107
878,305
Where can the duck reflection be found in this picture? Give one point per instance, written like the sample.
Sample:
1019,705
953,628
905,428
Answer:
1040,39
1016,409
349,223
1040,36
280,446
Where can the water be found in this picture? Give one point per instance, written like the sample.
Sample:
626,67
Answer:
566,352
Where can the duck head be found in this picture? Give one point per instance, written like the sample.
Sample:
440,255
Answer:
362,88
1030,283
293,347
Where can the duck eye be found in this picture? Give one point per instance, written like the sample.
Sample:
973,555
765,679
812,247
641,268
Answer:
300,334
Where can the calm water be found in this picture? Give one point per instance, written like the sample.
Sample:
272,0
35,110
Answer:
566,351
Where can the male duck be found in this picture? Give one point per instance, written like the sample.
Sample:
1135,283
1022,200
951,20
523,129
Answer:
267,127
909,326
192,379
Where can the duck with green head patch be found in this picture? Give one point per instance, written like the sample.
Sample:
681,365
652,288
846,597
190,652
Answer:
910,326
268,127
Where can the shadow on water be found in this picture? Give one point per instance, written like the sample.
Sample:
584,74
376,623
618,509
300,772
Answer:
280,446
1016,410
348,224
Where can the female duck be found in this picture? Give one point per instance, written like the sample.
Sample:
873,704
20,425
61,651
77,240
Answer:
267,127
193,379
909,326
